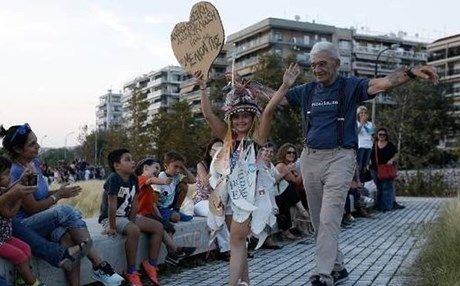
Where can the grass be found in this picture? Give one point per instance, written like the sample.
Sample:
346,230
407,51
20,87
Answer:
439,261
89,200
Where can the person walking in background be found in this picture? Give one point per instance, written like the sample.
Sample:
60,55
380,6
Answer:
328,115
365,142
383,152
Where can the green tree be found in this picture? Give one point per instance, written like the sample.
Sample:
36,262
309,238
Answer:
286,125
137,135
420,117
177,129
107,140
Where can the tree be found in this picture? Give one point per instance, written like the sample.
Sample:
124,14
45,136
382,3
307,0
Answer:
107,140
137,135
286,126
419,119
179,130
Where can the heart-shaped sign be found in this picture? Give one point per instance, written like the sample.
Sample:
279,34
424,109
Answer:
197,43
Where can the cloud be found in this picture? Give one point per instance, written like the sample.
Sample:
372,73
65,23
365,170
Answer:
127,36
153,20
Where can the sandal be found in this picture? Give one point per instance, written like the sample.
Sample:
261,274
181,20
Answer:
70,261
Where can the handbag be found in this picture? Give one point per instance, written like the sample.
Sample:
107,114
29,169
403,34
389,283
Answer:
385,172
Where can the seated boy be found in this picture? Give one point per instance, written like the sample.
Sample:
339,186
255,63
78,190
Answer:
118,215
172,195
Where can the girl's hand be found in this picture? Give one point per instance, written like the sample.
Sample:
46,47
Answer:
199,80
166,181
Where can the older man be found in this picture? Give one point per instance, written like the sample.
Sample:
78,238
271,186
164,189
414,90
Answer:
328,160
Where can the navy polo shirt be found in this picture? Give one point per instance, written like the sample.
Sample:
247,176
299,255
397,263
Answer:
322,131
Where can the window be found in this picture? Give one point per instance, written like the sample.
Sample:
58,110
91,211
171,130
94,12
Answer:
306,39
278,36
344,45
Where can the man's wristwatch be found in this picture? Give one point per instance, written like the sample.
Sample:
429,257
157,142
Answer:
409,73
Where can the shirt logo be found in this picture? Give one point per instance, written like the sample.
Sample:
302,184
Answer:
325,103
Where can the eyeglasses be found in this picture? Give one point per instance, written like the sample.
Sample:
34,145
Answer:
22,130
291,152
382,134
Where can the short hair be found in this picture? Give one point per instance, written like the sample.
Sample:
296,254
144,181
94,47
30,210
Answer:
115,157
327,47
5,164
172,156
360,108
148,161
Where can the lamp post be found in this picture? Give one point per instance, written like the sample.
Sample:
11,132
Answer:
65,144
392,47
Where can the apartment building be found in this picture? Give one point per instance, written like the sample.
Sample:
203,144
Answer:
108,111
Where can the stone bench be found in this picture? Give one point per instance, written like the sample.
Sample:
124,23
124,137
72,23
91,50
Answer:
192,233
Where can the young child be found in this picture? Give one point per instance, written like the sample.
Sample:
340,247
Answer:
11,248
118,215
147,171
172,195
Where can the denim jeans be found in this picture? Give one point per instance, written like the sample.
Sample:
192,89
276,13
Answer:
362,156
3,281
54,222
385,192
51,252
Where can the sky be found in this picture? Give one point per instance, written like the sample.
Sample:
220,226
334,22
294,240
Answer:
58,57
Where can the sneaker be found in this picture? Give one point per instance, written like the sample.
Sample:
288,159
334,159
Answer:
172,259
134,279
339,276
106,275
183,252
184,217
317,281
151,272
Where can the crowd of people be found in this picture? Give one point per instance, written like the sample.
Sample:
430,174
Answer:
240,188
77,170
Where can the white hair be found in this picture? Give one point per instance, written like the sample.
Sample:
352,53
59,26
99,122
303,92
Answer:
361,108
325,47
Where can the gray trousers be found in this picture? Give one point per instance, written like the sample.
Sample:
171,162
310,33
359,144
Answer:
327,175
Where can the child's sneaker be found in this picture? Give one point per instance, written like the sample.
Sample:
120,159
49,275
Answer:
134,279
105,274
183,252
151,272
172,259
184,217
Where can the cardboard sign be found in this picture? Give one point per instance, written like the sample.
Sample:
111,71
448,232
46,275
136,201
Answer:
197,43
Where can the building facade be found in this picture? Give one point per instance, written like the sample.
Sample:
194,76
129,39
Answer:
444,55
109,110
285,38
158,89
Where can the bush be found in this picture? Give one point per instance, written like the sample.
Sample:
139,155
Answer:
438,261
427,183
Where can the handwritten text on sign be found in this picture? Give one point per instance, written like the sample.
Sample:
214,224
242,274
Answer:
197,43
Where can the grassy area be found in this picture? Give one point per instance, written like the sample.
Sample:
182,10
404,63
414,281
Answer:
439,261
89,200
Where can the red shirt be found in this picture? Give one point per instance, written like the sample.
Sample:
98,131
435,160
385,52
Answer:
147,197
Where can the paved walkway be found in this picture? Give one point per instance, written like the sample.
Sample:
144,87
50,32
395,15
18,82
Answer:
377,252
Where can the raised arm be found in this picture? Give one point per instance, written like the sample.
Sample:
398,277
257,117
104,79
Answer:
218,127
401,76
289,77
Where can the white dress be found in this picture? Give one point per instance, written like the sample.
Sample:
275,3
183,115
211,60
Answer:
246,190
